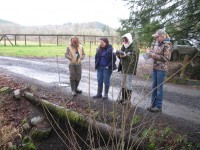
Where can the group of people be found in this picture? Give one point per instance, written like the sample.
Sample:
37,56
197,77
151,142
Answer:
105,63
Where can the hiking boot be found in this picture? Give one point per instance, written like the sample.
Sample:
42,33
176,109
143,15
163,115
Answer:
73,93
78,91
120,101
105,97
155,109
97,96
99,92
76,87
149,108
124,96
127,102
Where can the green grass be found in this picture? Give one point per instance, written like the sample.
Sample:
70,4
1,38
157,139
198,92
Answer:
41,51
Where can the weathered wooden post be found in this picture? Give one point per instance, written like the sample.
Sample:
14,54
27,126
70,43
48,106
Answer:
57,40
25,39
84,39
4,40
39,41
15,39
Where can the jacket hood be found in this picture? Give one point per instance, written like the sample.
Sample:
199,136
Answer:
129,37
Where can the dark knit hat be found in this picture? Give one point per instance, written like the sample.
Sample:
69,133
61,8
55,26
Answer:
105,40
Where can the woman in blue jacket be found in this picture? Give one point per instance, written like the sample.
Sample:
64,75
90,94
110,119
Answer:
104,64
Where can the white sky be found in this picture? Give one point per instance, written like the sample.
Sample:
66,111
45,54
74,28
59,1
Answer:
57,12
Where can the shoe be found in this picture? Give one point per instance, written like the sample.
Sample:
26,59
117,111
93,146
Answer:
155,109
124,103
78,91
105,97
120,101
97,96
73,93
149,108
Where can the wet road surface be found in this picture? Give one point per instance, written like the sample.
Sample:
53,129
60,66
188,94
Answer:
180,102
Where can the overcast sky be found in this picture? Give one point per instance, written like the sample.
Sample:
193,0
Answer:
57,12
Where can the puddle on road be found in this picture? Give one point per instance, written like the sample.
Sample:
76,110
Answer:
61,85
38,75
24,60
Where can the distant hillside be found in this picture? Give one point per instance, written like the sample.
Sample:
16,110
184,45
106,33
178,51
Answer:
7,22
89,28
97,25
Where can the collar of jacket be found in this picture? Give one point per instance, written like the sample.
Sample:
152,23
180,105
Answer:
109,48
73,51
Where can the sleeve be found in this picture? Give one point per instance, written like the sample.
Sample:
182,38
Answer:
166,54
96,55
67,54
112,60
131,55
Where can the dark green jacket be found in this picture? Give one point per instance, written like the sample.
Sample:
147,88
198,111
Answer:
128,65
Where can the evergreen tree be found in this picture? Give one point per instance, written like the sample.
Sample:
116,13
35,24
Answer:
180,18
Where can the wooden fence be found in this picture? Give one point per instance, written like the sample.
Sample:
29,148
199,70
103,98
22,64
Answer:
12,38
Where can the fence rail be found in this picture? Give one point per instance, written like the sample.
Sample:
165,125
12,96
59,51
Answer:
13,38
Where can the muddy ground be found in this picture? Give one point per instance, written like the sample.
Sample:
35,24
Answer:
15,111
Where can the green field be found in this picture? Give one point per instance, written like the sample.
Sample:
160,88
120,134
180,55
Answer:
41,51
46,50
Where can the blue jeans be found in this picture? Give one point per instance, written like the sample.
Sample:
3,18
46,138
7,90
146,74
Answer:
158,77
103,76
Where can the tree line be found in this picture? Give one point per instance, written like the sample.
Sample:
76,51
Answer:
180,18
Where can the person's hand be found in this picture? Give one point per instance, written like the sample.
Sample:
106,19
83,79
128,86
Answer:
123,56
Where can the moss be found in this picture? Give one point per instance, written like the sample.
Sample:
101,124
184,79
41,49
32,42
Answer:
179,80
41,134
64,113
29,146
24,121
5,90
14,147
26,139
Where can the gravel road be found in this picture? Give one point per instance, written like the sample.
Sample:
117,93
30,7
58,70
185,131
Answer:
179,101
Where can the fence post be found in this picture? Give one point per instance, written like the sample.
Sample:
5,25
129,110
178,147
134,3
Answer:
84,39
39,41
15,39
25,39
57,40
4,40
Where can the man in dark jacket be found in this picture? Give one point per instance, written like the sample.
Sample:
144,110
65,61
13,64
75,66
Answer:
128,66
